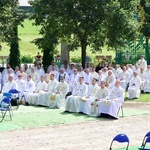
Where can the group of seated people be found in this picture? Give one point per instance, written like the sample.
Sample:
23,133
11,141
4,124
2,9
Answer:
92,91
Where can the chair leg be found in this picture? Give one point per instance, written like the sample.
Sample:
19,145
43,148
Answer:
3,115
122,111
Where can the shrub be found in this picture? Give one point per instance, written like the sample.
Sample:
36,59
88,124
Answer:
26,59
76,59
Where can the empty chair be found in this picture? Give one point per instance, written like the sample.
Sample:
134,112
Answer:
5,106
121,138
146,139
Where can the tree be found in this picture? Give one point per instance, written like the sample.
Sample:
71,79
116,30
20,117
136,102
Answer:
144,10
10,18
87,23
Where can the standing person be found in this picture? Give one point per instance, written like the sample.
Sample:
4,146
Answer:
142,63
57,99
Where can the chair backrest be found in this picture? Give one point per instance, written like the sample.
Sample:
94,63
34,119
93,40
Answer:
147,135
6,102
7,95
121,138
13,91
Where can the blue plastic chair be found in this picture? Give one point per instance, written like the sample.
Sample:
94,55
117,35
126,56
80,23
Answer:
146,139
121,138
5,106
14,97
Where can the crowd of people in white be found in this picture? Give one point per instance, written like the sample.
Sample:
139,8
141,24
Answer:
92,91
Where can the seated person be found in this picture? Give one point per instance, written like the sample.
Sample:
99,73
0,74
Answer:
134,86
57,99
85,102
44,96
101,94
73,101
41,86
113,102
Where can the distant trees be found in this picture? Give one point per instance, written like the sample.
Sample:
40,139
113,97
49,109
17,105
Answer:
85,23
144,10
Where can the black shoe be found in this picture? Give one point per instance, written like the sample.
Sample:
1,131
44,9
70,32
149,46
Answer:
27,104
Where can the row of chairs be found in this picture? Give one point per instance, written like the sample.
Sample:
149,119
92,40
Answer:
121,138
10,99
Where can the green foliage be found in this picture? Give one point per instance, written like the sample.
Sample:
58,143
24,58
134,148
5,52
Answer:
76,59
26,59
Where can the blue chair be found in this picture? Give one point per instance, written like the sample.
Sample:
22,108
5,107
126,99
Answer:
146,139
121,138
5,106
14,97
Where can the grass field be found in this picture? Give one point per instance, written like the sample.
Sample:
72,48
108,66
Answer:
30,32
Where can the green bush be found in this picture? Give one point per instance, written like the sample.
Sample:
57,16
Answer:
76,59
26,59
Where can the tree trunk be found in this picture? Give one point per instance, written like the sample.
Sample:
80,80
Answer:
14,50
83,54
64,52
48,57
147,51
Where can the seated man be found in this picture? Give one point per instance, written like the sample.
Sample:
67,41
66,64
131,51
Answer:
72,101
113,102
134,86
57,99
101,94
41,86
85,102
44,96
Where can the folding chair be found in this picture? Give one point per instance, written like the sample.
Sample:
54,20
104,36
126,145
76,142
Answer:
14,97
121,107
121,138
146,139
5,106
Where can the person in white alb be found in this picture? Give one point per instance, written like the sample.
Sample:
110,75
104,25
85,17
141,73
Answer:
73,101
147,84
142,74
41,86
142,63
134,86
85,102
44,96
10,84
110,80
88,77
57,99
113,102
101,94
124,78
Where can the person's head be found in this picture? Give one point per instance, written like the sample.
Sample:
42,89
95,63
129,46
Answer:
75,71
94,80
110,72
72,66
7,65
62,70
141,70
16,68
21,69
87,70
48,70
62,78
28,77
142,56
100,72
135,74
105,69
33,69
20,76
42,78
102,84
52,76
10,77
81,79
39,66
117,84
124,68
